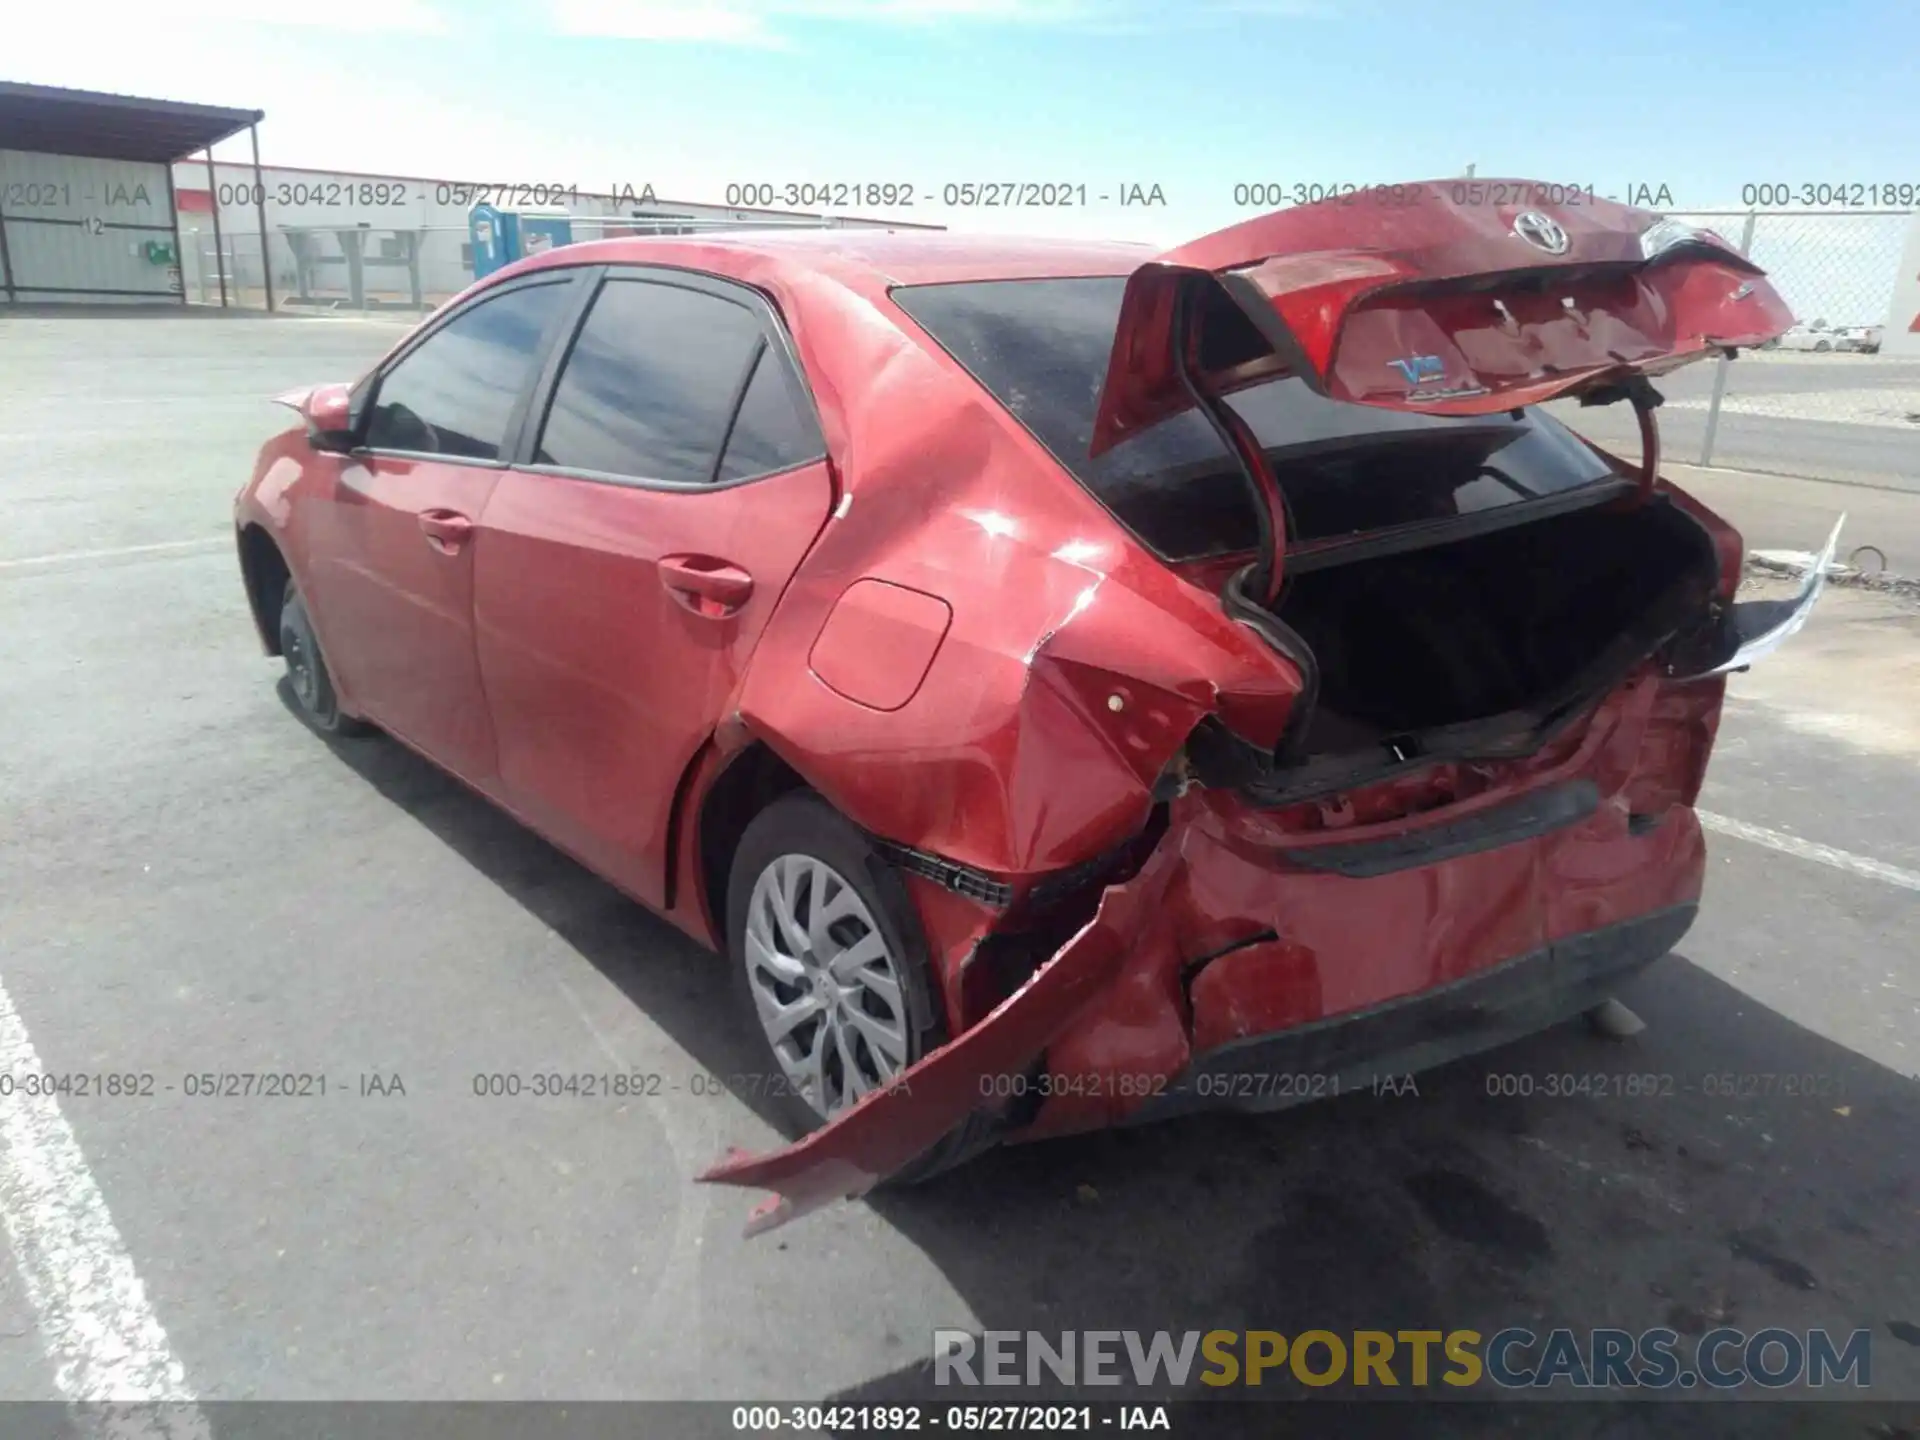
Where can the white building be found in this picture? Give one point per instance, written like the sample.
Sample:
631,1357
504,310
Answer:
342,238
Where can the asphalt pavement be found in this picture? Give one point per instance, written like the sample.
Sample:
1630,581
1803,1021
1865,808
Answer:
190,883
1839,417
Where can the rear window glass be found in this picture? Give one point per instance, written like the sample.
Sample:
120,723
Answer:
1041,348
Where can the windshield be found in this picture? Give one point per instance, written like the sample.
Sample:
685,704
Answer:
1041,348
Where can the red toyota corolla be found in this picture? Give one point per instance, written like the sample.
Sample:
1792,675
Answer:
1071,685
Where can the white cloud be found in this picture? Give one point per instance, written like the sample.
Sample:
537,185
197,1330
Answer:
771,22
131,25
725,23
417,16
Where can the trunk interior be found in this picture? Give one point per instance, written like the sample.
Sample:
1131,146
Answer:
1465,641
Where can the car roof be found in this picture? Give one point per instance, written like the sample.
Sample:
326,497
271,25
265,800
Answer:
881,257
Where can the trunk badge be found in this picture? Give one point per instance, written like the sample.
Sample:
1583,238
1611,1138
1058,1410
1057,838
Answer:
1542,232
1418,369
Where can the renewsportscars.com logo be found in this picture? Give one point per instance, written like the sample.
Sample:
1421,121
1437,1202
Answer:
1514,1358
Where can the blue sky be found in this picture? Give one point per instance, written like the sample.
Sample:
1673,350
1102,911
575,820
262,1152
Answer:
1697,95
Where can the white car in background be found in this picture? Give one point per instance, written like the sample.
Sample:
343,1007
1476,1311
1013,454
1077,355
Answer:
1815,337
1864,339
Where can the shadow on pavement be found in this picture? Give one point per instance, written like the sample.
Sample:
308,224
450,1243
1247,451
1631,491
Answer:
1757,1176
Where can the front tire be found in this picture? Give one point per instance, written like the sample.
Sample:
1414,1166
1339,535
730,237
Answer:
308,678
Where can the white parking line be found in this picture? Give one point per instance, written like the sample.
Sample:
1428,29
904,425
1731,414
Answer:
104,1341
1807,850
210,542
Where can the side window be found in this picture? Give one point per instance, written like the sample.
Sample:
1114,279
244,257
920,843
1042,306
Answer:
772,431
454,394
650,383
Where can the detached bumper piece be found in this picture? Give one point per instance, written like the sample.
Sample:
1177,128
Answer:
1752,629
889,1128
1496,1007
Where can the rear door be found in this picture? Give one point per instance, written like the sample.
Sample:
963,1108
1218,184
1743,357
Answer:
391,552
672,478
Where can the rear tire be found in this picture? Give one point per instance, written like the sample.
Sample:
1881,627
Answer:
831,970
308,678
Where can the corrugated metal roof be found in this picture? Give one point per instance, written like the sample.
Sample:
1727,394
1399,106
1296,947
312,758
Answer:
57,121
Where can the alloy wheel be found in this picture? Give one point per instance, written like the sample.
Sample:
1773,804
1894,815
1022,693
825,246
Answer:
825,984
300,670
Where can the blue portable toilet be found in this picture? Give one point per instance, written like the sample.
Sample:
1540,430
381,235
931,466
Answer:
487,235
542,230
500,237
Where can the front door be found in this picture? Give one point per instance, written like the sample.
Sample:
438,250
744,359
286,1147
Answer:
394,544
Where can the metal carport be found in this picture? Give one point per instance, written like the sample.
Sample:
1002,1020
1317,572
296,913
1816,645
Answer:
86,191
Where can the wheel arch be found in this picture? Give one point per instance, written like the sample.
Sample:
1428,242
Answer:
748,781
264,573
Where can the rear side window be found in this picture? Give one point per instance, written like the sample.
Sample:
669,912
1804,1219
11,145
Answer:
1041,348
455,392
774,429
650,384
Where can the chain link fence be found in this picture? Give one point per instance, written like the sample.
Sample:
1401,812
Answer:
1823,401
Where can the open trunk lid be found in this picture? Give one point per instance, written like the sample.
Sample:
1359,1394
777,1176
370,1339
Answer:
1442,298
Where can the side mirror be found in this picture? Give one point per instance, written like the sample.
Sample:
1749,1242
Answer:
328,411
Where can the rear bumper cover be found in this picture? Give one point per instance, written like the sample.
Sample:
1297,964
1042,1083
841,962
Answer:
1226,956
1508,1002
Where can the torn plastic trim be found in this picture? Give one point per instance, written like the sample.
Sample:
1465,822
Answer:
1047,892
1044,918
892,1126
1058,889
1750,630
948,874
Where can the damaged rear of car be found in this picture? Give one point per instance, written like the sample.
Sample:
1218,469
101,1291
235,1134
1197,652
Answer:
1392,695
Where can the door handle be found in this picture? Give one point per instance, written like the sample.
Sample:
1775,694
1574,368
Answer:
705,585
446,530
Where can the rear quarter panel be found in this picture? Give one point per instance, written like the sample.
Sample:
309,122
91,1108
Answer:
1008,756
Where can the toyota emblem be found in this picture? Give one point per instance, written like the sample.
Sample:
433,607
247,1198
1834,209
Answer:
1542,232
